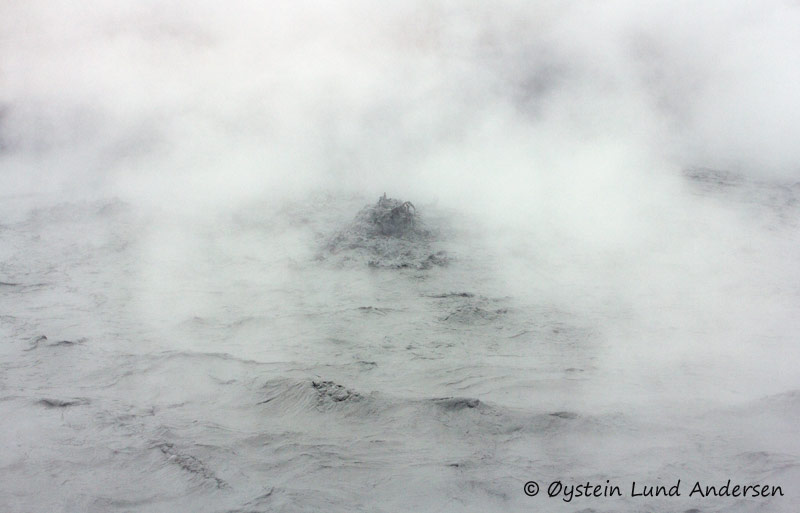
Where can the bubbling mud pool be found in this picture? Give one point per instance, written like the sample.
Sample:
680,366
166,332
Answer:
332,356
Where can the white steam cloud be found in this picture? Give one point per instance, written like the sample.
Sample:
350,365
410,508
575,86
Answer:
563,126
217,102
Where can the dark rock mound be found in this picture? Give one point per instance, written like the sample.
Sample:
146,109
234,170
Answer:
388,234
391,217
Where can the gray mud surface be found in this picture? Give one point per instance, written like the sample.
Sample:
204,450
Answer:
152,366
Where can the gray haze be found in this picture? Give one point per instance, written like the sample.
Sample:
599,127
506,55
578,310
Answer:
615,186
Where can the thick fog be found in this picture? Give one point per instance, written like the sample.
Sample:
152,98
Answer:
615,186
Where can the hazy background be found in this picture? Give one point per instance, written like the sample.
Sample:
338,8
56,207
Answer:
191,158
562,127
213,103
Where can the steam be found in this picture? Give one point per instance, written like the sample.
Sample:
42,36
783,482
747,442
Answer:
561,128
217,104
